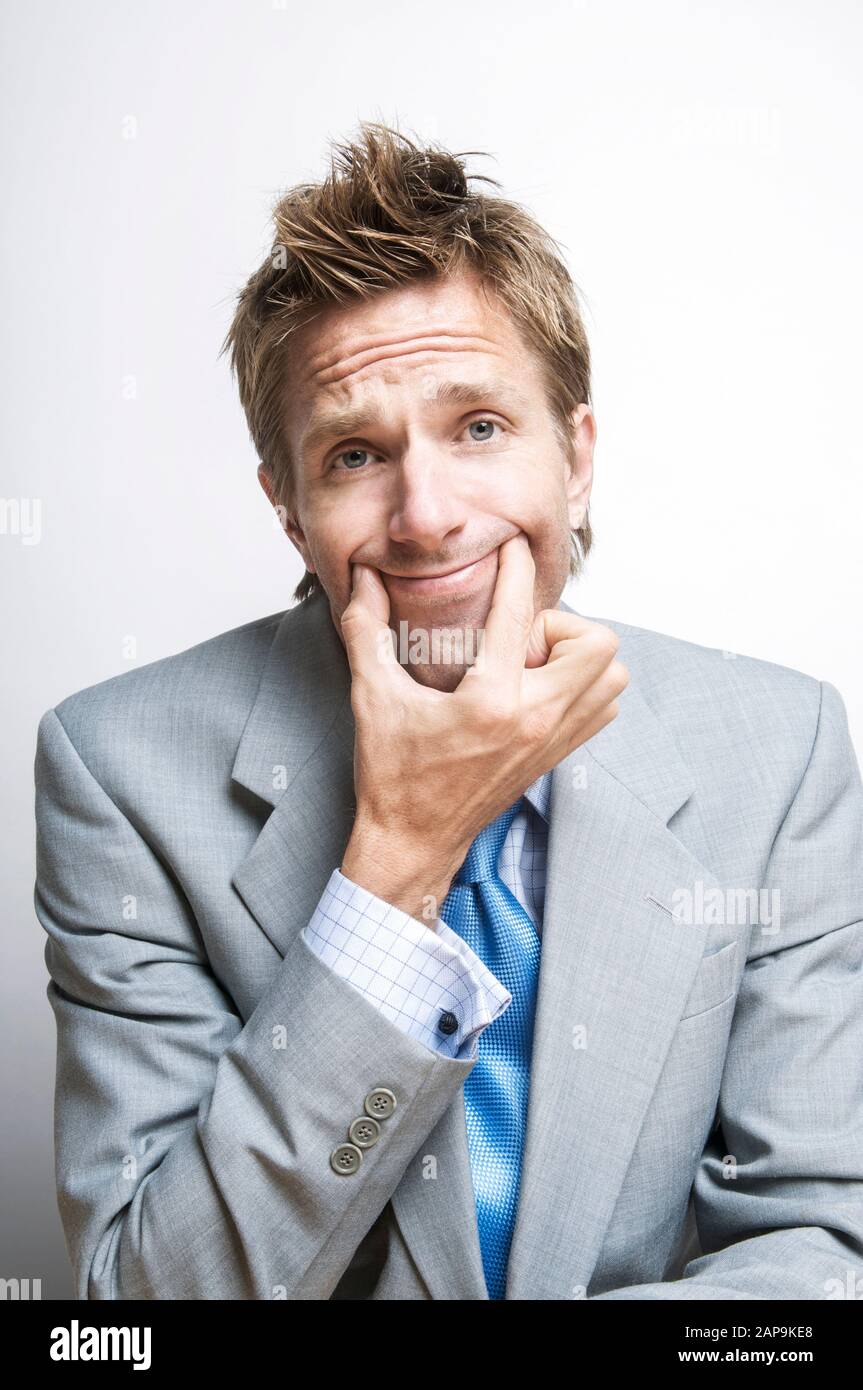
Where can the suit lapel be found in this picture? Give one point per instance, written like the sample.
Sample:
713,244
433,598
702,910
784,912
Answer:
615,969
615,973
296,755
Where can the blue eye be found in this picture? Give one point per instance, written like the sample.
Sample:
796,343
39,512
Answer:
356,459
346,454
483,424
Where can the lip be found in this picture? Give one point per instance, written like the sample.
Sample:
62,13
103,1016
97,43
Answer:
453,581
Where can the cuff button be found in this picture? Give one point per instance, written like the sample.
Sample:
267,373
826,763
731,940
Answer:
364,1132
346,1158
379,1103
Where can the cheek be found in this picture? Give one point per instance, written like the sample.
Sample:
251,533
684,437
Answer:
548,531
335,538
544,516
534,488
333,534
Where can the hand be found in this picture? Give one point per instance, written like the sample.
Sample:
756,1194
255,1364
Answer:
433,768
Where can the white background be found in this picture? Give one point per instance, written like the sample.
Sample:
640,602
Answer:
700,163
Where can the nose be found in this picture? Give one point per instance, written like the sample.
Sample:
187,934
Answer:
426,506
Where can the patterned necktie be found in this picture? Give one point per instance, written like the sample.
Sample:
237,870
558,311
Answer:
485,914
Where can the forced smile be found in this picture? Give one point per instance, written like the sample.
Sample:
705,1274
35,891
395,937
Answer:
457,580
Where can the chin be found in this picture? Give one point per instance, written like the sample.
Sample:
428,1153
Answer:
444,678
468,612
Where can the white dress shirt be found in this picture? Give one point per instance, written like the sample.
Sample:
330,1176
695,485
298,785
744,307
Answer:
414,972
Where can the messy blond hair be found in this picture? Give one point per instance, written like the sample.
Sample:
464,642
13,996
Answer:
388,213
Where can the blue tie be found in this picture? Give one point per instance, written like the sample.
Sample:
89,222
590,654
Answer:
485,914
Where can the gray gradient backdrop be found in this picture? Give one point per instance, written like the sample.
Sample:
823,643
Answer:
698,162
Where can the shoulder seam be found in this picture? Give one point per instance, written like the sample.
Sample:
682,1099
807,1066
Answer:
806,767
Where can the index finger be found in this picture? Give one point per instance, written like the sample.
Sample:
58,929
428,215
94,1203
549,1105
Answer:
510,619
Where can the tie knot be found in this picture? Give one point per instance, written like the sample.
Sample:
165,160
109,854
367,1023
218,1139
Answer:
481,861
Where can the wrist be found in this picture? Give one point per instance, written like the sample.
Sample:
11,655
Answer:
411,876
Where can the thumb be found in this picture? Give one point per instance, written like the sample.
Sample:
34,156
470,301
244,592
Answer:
538,645
365,622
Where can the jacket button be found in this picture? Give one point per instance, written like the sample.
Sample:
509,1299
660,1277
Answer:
379,1103
447,1023
346,1158
364,1132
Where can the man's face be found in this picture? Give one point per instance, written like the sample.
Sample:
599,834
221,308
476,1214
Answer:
422,439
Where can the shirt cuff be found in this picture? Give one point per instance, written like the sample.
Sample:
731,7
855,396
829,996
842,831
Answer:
410,971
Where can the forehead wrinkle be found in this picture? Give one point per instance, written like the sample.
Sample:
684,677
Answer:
383,337
330,369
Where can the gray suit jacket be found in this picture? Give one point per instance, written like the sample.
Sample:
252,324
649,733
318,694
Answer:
695,1127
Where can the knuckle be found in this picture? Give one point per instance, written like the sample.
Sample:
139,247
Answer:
351,615
604,640
619,676
609,713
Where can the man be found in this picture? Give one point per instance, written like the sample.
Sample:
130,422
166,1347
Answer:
388,963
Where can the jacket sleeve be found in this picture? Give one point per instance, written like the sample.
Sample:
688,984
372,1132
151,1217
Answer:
778,1195
194,1151
411,971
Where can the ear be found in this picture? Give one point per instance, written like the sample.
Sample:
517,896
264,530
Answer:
288,523
579,479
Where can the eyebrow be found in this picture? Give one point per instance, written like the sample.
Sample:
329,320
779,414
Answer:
342,423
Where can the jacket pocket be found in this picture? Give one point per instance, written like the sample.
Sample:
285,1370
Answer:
714,982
